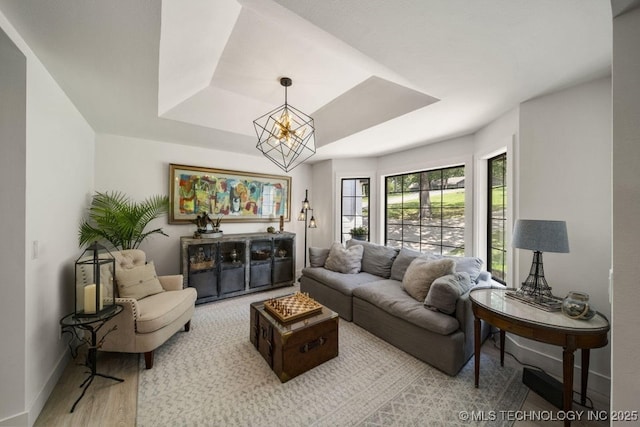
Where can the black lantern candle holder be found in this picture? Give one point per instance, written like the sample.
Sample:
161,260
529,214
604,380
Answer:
94,282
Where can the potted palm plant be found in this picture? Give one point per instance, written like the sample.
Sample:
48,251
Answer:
360,233
115,218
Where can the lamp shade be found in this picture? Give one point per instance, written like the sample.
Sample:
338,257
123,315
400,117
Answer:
541,235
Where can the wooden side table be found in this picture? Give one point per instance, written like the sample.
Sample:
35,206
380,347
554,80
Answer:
76,326
514,316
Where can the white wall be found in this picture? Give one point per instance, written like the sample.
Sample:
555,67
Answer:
321,198
59,173
626,211
564,170
140,168
13,96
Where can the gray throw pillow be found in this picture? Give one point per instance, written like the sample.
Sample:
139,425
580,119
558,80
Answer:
402,261
422,272
444,292
343,260
376,259
318,256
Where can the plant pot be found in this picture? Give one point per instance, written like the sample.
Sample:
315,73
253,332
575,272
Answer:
210,233
358,237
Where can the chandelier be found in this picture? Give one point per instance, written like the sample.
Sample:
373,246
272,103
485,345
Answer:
285,134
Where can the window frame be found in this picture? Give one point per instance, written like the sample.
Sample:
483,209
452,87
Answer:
440,228
365,219
491,218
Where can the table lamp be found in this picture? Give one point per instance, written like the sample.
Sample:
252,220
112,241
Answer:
539,236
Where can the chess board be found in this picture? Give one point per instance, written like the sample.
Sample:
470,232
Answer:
292,307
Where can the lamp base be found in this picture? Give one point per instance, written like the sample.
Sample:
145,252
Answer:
535,286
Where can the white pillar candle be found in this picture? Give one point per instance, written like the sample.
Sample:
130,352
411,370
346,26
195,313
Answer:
90,299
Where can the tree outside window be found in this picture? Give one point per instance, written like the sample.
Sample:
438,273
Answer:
425,210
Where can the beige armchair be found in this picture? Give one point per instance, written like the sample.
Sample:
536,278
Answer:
147,323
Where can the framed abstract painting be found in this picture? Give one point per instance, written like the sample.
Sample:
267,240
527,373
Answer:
234,195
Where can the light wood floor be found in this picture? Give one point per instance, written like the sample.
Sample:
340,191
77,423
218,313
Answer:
108,403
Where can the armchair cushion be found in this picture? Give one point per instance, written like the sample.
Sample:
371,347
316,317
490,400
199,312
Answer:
160,310
138,282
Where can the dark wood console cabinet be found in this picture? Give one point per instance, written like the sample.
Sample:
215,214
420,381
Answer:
237,264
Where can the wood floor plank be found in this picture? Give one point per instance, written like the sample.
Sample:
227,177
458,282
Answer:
106,402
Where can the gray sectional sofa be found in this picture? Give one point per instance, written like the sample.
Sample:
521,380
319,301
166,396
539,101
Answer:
376,300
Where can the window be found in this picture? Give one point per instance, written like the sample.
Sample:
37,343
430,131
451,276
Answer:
425,210
497,217
355,207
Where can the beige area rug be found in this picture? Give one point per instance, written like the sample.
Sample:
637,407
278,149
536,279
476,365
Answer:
213,376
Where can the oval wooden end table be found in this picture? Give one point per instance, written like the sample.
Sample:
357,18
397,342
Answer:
517,317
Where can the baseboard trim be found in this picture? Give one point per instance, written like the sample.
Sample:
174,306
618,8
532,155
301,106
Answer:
552,365
38,403
18,420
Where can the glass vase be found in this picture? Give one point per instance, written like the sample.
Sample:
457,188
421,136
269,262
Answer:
576,306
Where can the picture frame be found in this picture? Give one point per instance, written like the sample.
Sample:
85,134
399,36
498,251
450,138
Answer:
236,196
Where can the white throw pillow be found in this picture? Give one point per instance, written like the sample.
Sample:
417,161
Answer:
343,260
422,272
138,282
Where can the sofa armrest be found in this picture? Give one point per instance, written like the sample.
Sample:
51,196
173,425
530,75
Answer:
130,309
464,313
171,283
485,281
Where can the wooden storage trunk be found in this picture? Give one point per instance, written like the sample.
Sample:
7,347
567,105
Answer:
297,347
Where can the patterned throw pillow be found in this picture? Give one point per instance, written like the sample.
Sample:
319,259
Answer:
343,260
138,282
422,272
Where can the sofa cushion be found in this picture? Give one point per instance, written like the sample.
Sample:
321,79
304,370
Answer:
318,256
160,310
444,292
422,272
344,260
344,283
389,296
376,259
138,282
402,261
